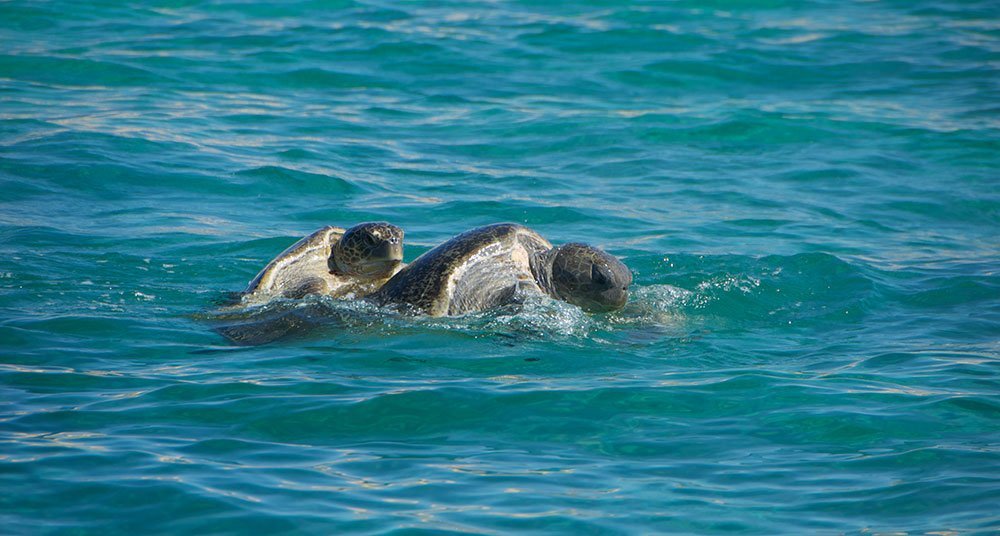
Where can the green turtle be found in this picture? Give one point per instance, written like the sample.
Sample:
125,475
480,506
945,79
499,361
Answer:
489,266
332,261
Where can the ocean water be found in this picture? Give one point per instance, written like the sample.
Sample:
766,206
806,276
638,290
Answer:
807,193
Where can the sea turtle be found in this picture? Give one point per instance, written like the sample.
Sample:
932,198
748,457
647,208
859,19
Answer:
332,261
489,266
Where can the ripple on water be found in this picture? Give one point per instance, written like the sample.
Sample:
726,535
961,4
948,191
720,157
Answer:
806,197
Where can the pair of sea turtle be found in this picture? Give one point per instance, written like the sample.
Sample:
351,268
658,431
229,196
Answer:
474,271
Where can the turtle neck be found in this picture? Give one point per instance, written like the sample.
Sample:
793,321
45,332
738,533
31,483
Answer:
541,269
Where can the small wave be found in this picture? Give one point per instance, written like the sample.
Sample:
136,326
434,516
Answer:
736,290
536,317
654,305
284,180
69,72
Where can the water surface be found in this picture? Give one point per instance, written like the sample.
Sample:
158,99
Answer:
807,194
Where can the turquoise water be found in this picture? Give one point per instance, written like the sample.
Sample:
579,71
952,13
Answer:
807,194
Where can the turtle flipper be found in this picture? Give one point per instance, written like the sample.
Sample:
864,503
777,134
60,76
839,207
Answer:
265,330
228,299
312,285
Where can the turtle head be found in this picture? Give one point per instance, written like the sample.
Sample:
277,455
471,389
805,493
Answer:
590,278
370,250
